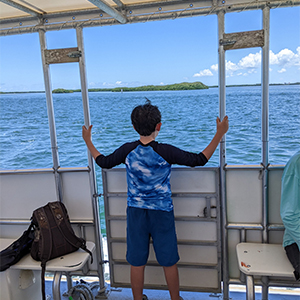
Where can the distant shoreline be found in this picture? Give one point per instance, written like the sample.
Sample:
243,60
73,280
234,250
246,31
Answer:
174,87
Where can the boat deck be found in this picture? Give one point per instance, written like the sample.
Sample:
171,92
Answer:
236,293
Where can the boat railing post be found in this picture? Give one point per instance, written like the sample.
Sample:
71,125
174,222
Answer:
265,132
222,112
93,183
51,119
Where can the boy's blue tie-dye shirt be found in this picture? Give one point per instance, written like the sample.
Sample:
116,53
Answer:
149,170
148,179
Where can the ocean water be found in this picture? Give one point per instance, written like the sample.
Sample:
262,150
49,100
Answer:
188,121
188,117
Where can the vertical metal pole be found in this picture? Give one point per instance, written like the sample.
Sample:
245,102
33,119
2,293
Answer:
265,114
222,111
87,122
51,119
250,292
265,132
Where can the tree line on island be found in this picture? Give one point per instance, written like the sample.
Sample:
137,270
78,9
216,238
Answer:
169,87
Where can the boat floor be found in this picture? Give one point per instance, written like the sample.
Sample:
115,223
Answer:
236,293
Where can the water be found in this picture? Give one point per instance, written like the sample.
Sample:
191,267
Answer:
188,117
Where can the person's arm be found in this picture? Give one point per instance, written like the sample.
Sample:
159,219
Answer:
86,135
222,128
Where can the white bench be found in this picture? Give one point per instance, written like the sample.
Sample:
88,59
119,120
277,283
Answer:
68,263
262,260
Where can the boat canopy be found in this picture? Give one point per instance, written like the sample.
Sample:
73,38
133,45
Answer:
20,16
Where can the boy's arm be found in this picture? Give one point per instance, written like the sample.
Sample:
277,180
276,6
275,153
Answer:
86,135
222,128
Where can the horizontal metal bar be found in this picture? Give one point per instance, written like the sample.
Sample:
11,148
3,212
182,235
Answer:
14,28
180,219
46,170
243,167
276,227
27,222
244,226
73,170
15,222
188,194
109,10
274,283
196,194
195,219
179,242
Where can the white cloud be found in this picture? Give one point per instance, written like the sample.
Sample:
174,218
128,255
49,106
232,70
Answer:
230,66
282,70
273,58
285,59
205,72
215,67
118,82
250,61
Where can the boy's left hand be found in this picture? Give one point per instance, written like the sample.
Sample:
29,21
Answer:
222,126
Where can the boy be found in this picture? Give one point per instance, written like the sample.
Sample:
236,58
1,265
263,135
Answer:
149,203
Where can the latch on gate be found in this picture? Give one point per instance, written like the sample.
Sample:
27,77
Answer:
74,54
227,42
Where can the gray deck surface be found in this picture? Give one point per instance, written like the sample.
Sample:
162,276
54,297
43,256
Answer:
235,294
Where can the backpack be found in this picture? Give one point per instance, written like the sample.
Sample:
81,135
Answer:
15,251
54,235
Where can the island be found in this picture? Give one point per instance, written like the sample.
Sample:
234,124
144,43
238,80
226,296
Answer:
170,87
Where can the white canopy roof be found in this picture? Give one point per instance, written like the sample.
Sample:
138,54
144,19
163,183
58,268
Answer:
21,16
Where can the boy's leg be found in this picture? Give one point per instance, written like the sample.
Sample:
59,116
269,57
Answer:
172,278
137,282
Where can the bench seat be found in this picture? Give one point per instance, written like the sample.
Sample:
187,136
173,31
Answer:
68,263
257,259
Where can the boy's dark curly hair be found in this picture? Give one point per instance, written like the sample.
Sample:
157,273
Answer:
145,117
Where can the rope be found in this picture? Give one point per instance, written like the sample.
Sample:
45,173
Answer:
84,289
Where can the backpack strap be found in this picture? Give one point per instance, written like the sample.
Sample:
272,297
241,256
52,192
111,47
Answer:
61,218
45,230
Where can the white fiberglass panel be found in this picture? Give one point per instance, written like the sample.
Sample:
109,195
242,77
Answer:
22,193
193,206
196,231
274,197
154,276
77,195
117,206
244,195
193,180
116,181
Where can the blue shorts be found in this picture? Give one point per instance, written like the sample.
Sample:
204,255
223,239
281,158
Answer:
145,223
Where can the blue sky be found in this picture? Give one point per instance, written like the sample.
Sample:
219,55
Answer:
162,52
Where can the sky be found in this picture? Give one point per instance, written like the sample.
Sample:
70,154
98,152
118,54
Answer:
158,53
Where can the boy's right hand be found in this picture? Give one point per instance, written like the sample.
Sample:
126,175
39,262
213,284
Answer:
222,127
87,133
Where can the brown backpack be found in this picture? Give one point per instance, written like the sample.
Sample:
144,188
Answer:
54,236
